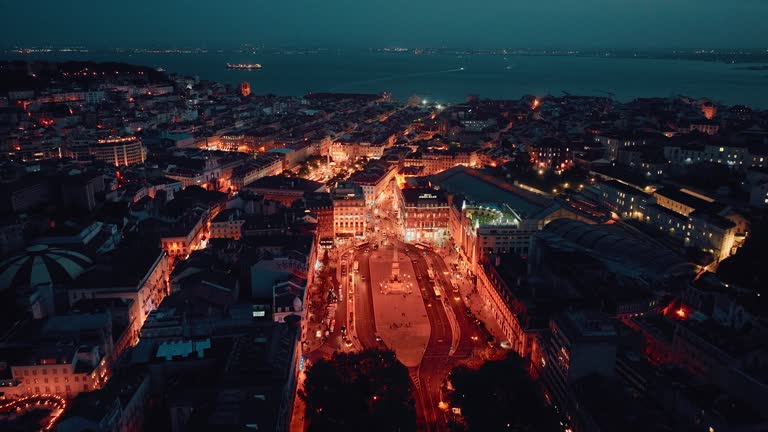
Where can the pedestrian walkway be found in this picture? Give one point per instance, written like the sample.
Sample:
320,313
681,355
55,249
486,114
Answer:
472,300
401,319
299,408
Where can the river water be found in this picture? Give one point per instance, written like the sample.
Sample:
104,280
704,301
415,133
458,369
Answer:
450,78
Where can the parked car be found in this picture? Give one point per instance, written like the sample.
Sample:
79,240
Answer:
491,341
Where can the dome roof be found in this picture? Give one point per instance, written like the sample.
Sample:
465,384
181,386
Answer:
42,265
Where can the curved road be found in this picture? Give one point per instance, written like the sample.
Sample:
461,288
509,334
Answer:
436,362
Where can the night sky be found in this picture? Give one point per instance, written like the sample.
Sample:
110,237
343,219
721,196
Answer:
378,23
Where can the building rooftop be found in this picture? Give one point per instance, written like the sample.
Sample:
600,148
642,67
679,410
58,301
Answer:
713,219
421,196
735,342
318,200
372,173
42,265
122,267
686,198
477,187
229,215
625,188
587,324
613,244
671,213
182,348
280,182
348,191
91,408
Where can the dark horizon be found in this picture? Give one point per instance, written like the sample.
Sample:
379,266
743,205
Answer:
655,24
234,46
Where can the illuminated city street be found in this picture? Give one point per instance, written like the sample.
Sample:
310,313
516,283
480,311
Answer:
424,319
428,216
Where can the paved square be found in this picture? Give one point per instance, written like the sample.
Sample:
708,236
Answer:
401,319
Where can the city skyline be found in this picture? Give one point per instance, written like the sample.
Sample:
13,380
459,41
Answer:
495,263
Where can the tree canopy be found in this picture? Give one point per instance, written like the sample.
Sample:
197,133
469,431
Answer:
367,390
499,395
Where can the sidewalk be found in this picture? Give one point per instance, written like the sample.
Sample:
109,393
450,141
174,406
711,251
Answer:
299,407
472,300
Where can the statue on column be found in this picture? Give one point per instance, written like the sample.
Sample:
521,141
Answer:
395,284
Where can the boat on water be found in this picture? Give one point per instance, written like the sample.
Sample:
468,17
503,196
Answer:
246,66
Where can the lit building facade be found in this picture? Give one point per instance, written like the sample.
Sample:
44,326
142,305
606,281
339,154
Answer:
147,292
264,166
59,376
119,151
480,230
709,110
551,155
738,157
508,311
245,88
350,151
349,211
185,239
694,219
63,356
374,180
613,143
424,213
227,224
624,200
321,205
438,161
